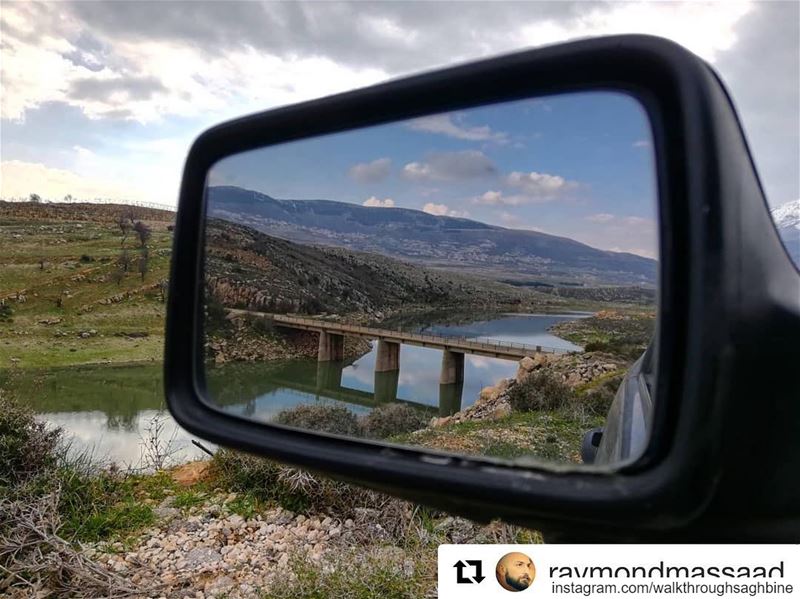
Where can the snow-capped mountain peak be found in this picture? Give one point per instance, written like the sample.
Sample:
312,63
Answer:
787,216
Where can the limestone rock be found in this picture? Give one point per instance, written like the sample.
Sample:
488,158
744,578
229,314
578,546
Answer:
202,556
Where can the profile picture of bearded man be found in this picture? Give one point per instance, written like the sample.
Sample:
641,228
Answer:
515,571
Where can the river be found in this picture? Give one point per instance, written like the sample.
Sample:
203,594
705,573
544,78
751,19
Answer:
111,410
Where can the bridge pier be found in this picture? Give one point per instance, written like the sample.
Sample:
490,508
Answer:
331,347
388,357
452,368
329,375
386,385
450,398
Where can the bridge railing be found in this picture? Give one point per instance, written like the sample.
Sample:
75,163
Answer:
474,342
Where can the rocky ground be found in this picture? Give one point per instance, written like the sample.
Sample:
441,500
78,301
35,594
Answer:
574,370
212,547
209,551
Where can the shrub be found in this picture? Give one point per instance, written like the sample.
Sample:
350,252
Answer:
260,479
392,419
217,322
259,325
6,313
86,258
36,465
595,346
27,447
242,471
540,391
326,418
597,400
297,490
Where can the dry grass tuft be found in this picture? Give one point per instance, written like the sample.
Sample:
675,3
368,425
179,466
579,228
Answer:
36,561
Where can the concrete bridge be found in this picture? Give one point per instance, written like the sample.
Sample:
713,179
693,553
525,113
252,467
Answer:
387,361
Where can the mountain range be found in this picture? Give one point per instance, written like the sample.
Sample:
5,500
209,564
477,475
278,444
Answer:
249,269
443,242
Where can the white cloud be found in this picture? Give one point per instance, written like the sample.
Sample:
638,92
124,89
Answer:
417,171
371,172
147,78
762,71
633,234
491,197
706,28
450,125
376,203
638,221
20,179
435,209
540,185
642,143
443,210
529,188
498,198
511,220
450,166
603,217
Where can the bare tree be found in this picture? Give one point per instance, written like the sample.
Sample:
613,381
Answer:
163,288
124,260
143,262
35,197
124,226
142,232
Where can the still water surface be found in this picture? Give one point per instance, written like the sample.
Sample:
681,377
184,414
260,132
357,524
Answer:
109,409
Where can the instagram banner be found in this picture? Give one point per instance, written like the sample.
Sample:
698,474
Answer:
488,571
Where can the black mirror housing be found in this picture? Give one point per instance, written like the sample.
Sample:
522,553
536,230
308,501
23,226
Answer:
725,283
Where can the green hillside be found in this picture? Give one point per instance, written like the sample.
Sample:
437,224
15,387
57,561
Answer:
63,301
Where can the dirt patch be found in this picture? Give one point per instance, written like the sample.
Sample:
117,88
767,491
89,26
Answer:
189,474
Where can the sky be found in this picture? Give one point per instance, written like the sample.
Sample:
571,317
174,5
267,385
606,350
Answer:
560,164
103,99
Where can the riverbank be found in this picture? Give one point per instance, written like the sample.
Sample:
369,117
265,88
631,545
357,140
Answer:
622,332
234,526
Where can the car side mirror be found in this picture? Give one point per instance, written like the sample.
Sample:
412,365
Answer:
723,279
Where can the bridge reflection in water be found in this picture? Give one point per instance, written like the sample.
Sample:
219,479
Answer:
329,386
245,387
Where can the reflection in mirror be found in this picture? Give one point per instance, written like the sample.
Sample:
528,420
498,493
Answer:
476,282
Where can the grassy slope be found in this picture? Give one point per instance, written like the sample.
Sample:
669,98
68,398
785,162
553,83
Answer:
61,239
538,436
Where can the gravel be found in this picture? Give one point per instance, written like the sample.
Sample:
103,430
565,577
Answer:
208,551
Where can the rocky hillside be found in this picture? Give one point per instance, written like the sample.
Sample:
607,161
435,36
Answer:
248,269
435,241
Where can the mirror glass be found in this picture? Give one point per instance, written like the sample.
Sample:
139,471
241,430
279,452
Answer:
477,282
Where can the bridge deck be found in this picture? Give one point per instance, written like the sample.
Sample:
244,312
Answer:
483,347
